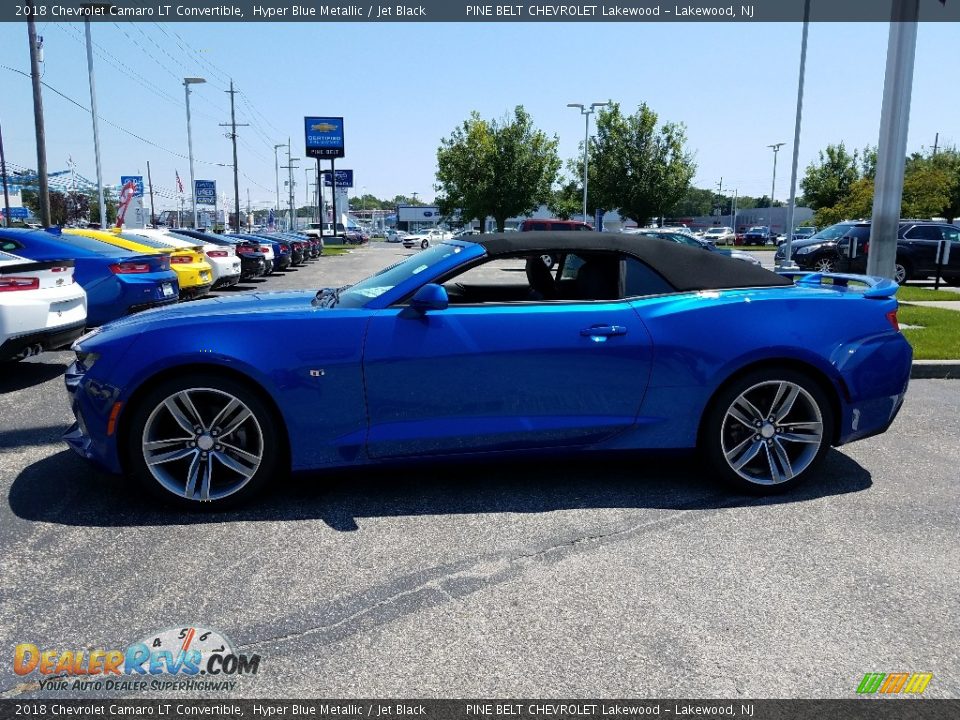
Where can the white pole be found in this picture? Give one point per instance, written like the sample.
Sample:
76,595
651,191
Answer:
787,258
96,130
892,146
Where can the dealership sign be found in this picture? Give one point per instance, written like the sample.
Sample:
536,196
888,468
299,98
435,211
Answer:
137,181
324,137
344,178
205,192
418,213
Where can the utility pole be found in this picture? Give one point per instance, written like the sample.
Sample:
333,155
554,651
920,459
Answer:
290,167
719,193
233,136
788,263
3,174
936,141
248,210
153,216
35,50
276,166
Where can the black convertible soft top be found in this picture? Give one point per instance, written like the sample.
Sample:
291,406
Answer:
684,267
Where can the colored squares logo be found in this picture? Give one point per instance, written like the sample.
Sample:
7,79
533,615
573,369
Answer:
894,683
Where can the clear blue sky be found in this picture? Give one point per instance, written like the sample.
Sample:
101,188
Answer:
402,87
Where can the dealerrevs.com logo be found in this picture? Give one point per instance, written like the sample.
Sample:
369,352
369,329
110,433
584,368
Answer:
190,658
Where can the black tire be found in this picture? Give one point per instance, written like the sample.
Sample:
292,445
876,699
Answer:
424,244
902,271
952,280
722,435
256,436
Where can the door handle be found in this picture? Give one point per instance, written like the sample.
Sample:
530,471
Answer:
603,331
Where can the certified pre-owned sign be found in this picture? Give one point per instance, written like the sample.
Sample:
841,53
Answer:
324,137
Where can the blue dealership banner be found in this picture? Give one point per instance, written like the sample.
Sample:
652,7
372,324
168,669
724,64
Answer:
324,137
137,180
205,191
344,178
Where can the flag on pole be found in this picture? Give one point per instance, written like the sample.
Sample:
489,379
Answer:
179,182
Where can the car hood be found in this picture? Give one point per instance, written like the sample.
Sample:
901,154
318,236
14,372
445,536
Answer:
255,304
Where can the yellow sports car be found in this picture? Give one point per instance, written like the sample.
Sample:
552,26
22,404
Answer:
193,272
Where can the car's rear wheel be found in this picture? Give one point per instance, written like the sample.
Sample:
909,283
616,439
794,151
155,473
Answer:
424,244
202,442
767,430
824,265
901,272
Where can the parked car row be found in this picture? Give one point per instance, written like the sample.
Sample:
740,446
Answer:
917,242
55,283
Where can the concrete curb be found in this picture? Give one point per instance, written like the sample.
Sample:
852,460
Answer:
942,369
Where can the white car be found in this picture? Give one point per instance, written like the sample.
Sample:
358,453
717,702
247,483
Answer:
426,238
224,264
41,306
720,235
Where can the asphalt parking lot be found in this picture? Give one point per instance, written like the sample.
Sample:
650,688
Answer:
616,577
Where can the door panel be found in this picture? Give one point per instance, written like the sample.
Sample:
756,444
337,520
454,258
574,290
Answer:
476,378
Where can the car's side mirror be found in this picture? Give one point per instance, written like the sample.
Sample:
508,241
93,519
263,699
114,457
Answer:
430,297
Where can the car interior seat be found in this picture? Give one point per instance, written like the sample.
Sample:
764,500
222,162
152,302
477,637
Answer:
542,284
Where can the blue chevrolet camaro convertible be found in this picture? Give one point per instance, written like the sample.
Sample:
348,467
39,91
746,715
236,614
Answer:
516,343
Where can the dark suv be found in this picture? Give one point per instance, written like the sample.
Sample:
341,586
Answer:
917,243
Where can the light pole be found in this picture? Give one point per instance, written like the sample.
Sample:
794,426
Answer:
93,114
586,139
773,186
187,82
788,263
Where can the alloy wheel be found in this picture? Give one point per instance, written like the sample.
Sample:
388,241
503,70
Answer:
202,444
771,432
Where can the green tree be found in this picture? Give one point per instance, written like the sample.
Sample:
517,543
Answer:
109,200
826,182
497,168
636,169
697,201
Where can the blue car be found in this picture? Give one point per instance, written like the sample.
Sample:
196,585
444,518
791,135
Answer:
118,282
281,249
483,348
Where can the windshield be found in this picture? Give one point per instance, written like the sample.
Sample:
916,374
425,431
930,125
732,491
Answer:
833,232
376,285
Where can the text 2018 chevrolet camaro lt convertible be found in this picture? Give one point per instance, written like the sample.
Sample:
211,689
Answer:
514,343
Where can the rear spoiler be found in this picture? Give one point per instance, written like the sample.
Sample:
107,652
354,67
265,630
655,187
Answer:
877,287
33,266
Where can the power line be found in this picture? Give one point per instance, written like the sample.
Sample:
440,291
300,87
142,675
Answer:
113,124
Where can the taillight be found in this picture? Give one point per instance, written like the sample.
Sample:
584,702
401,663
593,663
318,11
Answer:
59,269
892,319
244,250
8,284
181,259
264,249
284,248
130,268
217,253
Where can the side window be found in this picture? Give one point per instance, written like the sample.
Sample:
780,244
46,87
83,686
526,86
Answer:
537,226
559,226
582,227
950,233
571,265
923,232
640,279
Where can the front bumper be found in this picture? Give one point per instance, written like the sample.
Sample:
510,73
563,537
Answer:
91,403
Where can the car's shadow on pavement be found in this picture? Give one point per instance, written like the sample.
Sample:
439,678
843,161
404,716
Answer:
62,489
16,376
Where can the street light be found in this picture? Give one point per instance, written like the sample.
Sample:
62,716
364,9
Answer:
776,148
586,139
276,167
187,82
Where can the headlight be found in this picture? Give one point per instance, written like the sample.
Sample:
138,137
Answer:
808,249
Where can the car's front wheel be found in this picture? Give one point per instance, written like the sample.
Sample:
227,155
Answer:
767,430
901,272
202,442
825,265
424,244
